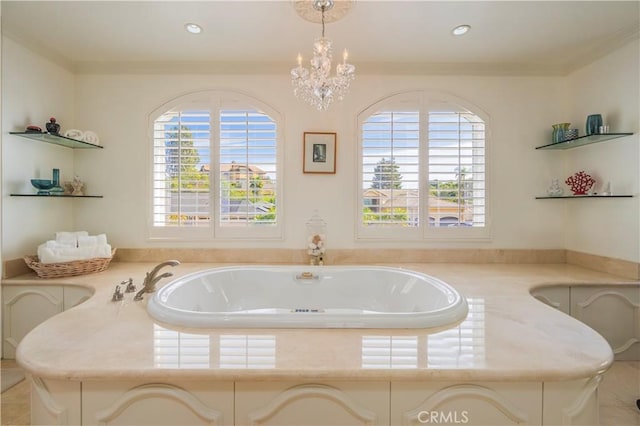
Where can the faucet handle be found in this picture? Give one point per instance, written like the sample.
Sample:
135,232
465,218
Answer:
130,286
117,295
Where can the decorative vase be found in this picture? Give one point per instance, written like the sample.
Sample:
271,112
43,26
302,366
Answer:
52,126
594,121
57,189
580,183
570,134
554,189
559,131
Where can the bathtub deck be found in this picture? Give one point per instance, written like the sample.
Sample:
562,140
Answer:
501,339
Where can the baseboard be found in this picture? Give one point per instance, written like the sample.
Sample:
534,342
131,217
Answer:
624,268
610,265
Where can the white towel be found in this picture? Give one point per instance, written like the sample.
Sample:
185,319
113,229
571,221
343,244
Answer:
91,137
92,240
52,253
70,238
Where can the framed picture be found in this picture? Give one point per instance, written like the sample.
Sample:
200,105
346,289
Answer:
319,152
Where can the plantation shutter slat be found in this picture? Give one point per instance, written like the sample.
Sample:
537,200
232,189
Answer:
248,172
180,156
450,155
390,142
456,163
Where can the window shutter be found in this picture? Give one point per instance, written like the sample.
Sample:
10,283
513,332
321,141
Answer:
248,172
181,163
390,169
456,170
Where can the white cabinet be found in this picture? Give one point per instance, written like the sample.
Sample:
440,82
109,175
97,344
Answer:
130,403
318,404
346,403
55,402
611,310
614,312
73,296
469,403
557,297
571,403
24,307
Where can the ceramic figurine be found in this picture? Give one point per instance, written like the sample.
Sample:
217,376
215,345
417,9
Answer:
554,189
75,187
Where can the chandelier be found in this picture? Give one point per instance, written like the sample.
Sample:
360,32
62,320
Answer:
315,84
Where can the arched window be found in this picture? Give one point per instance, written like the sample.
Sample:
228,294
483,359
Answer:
215,168
422,169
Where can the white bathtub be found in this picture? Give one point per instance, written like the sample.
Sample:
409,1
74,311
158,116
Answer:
308,297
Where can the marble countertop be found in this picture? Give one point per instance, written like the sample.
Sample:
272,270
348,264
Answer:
508,336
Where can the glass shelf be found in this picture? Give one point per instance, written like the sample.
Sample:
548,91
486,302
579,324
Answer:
583,196
56,196
56,140
583,140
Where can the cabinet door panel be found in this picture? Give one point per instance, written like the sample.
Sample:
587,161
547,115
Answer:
157,404
497,404
614,312
312,404
24,307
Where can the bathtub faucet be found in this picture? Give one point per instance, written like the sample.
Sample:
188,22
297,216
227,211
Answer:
150,280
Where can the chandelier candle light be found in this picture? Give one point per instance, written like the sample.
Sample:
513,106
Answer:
315,85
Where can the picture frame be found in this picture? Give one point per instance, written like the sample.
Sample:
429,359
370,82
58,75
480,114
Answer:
319,152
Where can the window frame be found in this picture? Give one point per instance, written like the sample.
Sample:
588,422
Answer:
422,101
215,101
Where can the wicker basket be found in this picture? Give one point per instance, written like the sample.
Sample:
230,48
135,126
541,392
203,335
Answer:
68,269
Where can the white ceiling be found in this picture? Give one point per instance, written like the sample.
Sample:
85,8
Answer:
507,37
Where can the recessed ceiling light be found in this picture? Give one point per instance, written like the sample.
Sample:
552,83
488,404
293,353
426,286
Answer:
193,28
460,30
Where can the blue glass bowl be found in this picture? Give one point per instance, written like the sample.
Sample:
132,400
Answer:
42,185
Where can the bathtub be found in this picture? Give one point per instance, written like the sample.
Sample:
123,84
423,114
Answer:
308,297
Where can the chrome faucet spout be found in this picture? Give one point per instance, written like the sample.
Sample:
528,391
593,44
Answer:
150,279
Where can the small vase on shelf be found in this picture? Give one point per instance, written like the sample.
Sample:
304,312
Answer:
594,121
57,189
52,126
559,131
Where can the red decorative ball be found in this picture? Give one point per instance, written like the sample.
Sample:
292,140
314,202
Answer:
580,183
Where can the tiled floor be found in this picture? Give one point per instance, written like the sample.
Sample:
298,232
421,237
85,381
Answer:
618,393
14,404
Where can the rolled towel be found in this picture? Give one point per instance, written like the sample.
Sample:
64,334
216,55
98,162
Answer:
91,137
74,134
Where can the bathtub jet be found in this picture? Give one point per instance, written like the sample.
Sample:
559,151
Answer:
308,297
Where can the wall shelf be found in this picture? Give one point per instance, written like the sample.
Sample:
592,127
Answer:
56,196
583,140
546,197
56,140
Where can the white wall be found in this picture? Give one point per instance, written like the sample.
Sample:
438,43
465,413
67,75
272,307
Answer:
33,89
117,107
611,87
521,111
